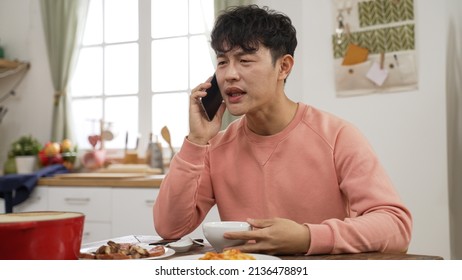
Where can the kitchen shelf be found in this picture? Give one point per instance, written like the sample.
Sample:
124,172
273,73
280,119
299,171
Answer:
11,74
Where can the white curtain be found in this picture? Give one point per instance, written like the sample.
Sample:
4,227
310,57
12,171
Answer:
221,5
63,23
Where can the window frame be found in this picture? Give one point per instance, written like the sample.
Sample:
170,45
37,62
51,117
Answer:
145,92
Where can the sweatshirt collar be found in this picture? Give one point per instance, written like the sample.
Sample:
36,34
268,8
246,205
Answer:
301,109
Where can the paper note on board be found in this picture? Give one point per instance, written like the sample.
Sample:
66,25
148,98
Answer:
376,74
355,55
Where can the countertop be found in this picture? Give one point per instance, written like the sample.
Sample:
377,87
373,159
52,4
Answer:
104,180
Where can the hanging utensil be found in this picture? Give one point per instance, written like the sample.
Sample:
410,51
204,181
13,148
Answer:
166,135
126,142
3,111
137,143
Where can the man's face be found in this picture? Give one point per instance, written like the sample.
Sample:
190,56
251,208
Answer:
249,82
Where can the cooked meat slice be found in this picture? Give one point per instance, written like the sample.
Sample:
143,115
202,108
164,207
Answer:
115,250
87,256
157,251
104,249
135,249
115,247
119,256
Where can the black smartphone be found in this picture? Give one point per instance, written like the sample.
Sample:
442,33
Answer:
212,101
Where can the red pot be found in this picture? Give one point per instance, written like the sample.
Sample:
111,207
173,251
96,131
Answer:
47,235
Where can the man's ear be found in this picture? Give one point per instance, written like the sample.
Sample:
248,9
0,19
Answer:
287,62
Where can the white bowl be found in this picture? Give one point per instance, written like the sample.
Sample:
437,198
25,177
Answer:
182,245
213,232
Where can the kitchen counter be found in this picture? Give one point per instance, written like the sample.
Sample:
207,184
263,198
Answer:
108,200
103,180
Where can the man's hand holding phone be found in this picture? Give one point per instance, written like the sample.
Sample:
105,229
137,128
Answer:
201,129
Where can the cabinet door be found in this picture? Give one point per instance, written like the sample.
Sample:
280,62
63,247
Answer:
132,211
94,202
37,201
96,231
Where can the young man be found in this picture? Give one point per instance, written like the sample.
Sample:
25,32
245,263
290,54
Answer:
307,181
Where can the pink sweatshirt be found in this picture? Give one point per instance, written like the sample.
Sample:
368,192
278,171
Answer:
319,171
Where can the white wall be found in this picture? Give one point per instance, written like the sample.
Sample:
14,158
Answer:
408,130
29,112
454,113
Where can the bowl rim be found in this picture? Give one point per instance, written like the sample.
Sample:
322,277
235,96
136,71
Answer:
223,224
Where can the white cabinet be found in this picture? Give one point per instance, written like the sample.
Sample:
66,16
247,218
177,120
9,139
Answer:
37,201
96,231
109,212
95,203
132,211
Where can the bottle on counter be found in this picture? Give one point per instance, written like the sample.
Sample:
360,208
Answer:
2,51
154,156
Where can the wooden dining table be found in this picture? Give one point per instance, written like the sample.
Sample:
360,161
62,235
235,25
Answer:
197,250
200,250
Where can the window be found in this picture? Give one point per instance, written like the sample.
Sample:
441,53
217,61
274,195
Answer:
138,63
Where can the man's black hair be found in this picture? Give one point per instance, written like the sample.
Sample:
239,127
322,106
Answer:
249,26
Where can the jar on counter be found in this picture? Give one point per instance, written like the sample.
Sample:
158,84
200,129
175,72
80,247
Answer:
154,157
2,51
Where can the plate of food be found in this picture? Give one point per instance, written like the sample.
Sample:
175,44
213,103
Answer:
231,254
120,251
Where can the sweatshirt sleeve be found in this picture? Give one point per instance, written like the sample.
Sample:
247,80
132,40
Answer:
377,220
181,204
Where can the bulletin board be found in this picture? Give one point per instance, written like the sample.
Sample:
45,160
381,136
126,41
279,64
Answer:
374,46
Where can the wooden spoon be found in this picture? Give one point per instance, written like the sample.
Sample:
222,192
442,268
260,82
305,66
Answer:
166,135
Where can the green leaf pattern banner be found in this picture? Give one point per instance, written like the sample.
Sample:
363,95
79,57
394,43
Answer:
382,27
385,11
388,39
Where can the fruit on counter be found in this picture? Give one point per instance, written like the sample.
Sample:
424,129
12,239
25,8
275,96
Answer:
66,146
49,160
63,152
52,149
